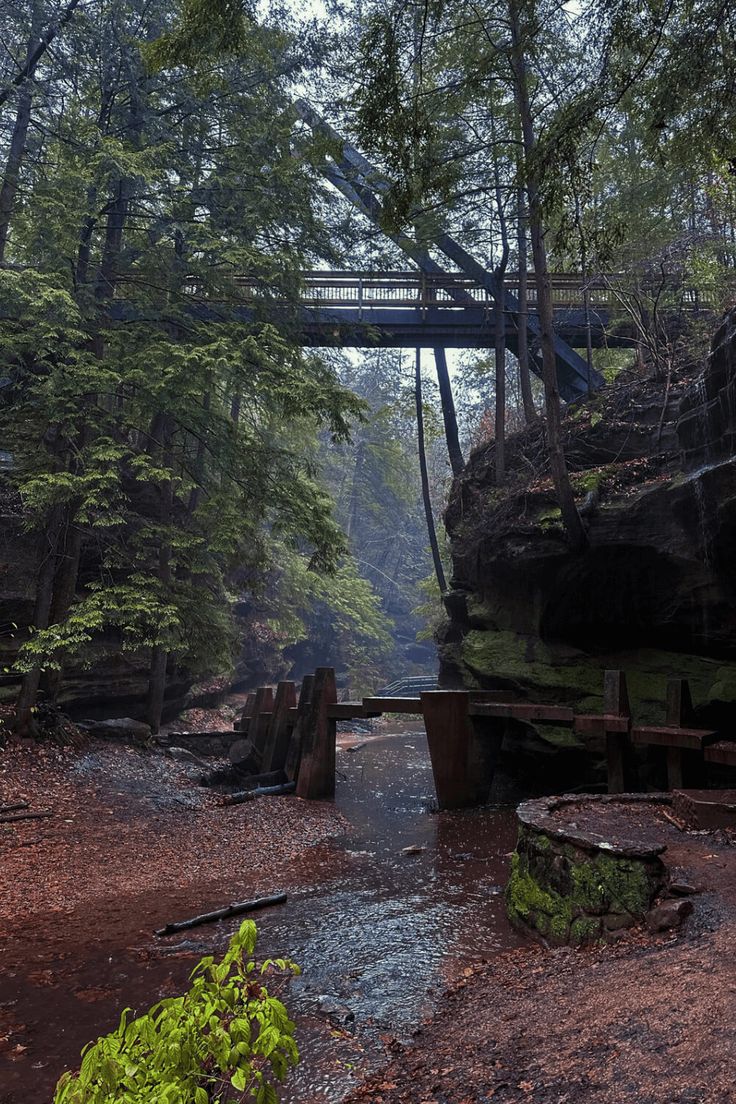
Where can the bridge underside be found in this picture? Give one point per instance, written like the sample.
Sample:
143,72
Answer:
442,327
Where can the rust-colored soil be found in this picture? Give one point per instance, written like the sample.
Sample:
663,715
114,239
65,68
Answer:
133,843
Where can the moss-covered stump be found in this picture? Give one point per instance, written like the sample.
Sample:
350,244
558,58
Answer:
574,882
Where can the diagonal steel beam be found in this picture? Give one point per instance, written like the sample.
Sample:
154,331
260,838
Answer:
353,175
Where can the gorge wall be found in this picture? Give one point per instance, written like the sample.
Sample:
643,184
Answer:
654,468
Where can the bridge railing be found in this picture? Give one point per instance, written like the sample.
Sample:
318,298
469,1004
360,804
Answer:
413,289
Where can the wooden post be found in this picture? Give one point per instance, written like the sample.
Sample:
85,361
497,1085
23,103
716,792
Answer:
247,713
316,777
616,703
279,729
294,754
679,714
260,719
459,754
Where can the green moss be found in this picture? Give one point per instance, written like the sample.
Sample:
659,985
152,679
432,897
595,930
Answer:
584,929
558,736
503,654
550,520
724,688
580,891
527,901
565,676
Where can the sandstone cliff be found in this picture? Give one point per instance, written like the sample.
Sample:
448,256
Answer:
654,464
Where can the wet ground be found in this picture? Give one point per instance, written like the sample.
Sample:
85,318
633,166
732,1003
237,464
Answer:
382,918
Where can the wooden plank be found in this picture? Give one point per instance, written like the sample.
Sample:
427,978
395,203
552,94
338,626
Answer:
260,720
316,778
670,736
597,724
449,736
244,721
392,705
279,730
523,711
294,754
679,712
346,711
723,752
616,703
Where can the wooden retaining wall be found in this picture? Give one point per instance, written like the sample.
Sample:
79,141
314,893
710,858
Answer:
465,731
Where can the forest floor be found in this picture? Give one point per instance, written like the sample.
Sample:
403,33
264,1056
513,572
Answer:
134,842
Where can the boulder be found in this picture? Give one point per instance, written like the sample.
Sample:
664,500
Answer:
117,728
669,915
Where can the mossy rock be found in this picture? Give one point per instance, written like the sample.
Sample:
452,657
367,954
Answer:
565,893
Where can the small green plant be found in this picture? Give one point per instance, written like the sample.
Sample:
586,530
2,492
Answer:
225,1041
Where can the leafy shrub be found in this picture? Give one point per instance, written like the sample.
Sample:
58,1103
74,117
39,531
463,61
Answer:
222,1042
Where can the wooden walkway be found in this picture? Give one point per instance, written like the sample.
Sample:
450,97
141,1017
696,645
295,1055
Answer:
465,731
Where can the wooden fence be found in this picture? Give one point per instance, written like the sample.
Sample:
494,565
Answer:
465,730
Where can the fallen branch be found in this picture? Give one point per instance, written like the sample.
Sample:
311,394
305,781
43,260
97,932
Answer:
260,791
223,913
25,816
12,807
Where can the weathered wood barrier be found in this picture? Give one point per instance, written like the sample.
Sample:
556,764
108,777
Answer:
465,730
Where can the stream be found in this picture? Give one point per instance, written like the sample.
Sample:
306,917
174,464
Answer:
378,931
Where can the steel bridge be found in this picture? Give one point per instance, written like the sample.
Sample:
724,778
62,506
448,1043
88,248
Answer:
414,308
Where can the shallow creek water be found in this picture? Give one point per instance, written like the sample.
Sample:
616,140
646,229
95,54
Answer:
382,932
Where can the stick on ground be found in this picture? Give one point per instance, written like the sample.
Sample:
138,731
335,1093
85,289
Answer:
13,807
223,913
25,816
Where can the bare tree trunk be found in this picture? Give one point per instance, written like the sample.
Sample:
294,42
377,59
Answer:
457,462
429,515
39,49
161,434
525,380
570,516
24,723
11,177
18,139
500,324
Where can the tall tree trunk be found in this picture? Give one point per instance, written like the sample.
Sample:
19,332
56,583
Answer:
525,380
39,49
161,442
17,150
24,723
449,416
11,176
570,516
500,323
431,530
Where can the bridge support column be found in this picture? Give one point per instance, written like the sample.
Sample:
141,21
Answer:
316,777
462,756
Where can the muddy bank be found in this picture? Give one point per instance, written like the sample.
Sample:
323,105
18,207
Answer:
132,844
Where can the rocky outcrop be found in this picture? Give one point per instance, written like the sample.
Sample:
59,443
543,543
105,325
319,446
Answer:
111,682
654,593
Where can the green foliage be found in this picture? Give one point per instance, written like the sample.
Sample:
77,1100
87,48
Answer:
226,1040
